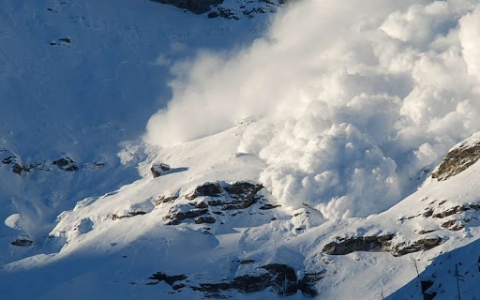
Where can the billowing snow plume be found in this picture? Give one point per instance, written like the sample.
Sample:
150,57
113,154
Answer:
351,98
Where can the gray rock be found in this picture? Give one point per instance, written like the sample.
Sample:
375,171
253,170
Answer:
159,169
195,6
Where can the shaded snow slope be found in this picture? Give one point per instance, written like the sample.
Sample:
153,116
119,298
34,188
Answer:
78,82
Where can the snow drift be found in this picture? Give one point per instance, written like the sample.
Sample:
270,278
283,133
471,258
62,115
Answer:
349,101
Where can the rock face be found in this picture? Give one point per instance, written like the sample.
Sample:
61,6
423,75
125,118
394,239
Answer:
195,6
159,169
457,160
345,246
280,277
211,198
381,243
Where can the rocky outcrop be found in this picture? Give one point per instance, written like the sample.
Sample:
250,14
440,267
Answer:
128,215
280,277
343,246
457,160
381,243
213,198
179,213
22,242
158,169
170,280
194,6
65,164
419,245
425,285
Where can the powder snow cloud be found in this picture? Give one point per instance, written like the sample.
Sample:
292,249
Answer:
351,98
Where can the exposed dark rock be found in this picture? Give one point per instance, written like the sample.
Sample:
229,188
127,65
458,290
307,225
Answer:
456,210
201,204
453,225
215,196
456,161
428,213
195,6
423,231
17,169
159,169
419,245
8,160
177,216
425,285
66,164
164,199
246,261
213,14
65,40
280,277
368,243
128,215
269,206
22,243
244,194
205,219
379,244
100,164
170,280
206,190
283,278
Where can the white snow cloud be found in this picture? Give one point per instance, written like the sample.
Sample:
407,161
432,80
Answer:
351,98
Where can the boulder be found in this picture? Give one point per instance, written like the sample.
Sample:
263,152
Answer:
158,169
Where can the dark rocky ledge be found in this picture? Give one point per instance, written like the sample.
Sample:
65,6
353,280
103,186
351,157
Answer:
281,278
381,243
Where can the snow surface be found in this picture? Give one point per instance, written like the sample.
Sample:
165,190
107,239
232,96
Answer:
341,123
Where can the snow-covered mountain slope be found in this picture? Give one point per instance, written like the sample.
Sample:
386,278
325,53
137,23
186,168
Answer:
301,152
78,82
193,232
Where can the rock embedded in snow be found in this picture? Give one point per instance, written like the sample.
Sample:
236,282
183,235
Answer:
66,164
22,242
158,169
195,6
381,243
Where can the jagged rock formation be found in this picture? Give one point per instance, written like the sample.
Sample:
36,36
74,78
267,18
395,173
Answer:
457,160
64,163
381,243
211,199
280,277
